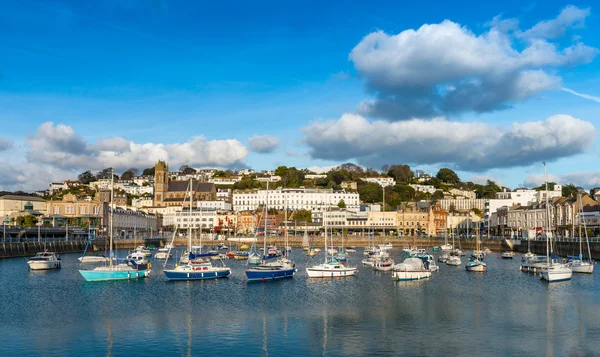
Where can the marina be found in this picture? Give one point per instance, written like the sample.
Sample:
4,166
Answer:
329,316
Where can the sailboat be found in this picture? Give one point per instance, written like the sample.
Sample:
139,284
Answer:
195,268
577,263
555,271
113,271
285,254
331,268
454,257
474,264
269,270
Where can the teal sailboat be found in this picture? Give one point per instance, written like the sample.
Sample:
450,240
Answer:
114,271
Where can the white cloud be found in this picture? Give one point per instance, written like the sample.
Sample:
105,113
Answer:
444,68
5,144
570,17
483,179
587,180
582,95
263,143
60,146
322,169
473,146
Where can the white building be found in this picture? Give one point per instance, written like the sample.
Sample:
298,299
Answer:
269,179
57,186
214,205
225,180
142,202
137,190
464,193
314,176
381,181
143,180
424,188
294,199
463,204
184,219
224,194
100,185
245,172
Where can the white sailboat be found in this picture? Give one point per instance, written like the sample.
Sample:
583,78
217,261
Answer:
578,264
475,264
330,268
555,271
454,258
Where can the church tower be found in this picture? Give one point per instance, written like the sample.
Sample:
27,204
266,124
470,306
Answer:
161,182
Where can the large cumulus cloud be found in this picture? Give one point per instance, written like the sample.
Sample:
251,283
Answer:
60,146
473,146
444,68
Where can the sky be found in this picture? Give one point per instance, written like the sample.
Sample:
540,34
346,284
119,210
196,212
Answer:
489,89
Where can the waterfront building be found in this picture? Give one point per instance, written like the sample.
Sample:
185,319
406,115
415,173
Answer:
131,223
173,193
215,205
10,205
72,210
415,219
246,222
294,199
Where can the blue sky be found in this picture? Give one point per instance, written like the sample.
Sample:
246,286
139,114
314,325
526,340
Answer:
159,73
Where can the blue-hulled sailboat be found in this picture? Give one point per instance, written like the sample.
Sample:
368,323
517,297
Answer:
264,271
194,266
122,271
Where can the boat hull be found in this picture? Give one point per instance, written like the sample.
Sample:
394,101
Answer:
268,274
585,268
174,274
107,275
44,265
553,276
92,259
330,273
476,268
410,275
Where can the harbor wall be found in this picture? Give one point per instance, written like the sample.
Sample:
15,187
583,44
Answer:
9,250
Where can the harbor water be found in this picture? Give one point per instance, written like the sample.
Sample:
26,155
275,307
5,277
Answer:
502,312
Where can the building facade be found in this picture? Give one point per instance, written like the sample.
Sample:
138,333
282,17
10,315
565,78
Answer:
293,199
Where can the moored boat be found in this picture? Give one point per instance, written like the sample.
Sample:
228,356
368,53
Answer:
411,269
508,255
44,261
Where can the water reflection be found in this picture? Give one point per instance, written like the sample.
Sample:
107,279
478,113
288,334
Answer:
503,312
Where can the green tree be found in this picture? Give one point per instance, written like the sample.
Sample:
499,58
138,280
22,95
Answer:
302,215
437,195
569,190
186,170
489,190
401,173
342,204
448,176
219,173
148,172
86,177
129,174
452,208
369,191
542,187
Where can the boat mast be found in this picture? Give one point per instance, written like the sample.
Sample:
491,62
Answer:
325,231
190,224
112,194
266,216
285,224
580,217
548,242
